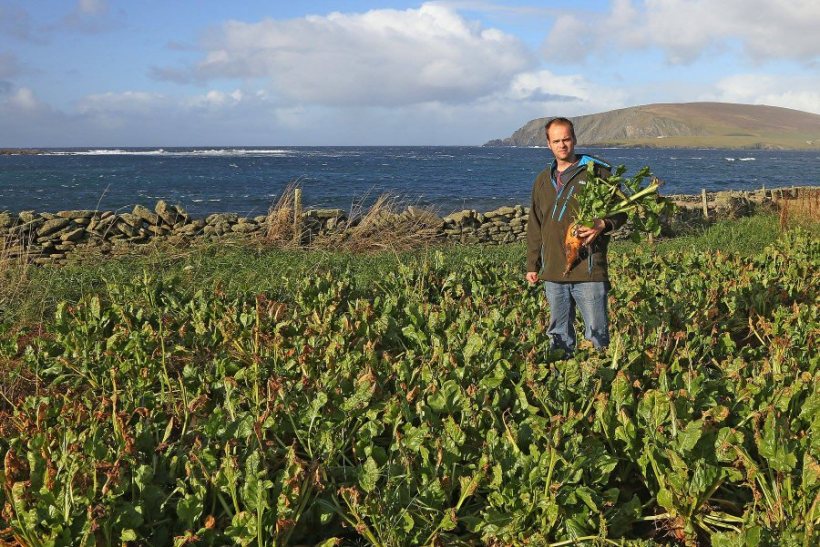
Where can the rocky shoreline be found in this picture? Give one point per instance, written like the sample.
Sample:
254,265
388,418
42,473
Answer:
51,238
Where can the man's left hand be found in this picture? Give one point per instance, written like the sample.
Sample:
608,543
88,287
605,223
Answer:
588,235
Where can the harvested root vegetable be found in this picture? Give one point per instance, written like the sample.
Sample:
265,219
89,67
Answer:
572,247
606,197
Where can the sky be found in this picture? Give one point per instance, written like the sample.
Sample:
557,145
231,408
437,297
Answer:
109,73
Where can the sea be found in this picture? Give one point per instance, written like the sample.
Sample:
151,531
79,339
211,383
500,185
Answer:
249,180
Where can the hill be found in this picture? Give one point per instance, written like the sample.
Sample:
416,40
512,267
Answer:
686,125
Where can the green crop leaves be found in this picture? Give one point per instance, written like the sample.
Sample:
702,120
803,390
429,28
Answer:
604,197
425,410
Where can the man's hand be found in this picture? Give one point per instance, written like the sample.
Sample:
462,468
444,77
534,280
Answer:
588,235
531,277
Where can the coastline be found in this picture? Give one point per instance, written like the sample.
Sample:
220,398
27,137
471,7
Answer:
50,238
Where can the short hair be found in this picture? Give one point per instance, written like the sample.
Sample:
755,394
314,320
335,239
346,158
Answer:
560,121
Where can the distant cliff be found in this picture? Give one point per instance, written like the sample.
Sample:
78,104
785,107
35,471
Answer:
686,125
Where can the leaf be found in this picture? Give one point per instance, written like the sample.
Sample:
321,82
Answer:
369,475
690,435
474,344
189,509
407,522
666,500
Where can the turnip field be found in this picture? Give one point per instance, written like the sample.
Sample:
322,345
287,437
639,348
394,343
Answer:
423,409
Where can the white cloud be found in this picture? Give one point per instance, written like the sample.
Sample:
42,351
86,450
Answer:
380,57
687,29
797,93
23,99
552,94
216,99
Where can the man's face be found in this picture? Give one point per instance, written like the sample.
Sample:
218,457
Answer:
560,141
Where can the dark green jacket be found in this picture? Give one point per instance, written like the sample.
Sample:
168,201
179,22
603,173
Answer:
551,213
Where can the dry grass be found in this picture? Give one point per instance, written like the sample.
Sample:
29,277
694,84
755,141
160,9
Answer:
384,225
14,269
279,230
803,209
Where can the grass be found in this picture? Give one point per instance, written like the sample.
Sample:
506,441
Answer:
240,268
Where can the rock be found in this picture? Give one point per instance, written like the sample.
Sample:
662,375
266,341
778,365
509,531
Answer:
145,214
244,227
82,221
27,229
328,213
159,230
131,219
506,210
26,216
170,214
44,260
6,220
460,217
126,229
188,229
84,213
74,235
221,218
182,213
53,225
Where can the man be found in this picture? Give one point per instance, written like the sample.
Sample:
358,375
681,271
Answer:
551,212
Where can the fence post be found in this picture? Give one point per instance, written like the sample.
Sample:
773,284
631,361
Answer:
297,216
703,202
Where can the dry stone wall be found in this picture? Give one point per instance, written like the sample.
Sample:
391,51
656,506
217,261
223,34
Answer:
49,238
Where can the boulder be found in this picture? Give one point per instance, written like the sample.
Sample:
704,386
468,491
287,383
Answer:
460,216
25,217
145,214
222,218
73,235
84,213
170,214
51,226
126,229
131,219
244,227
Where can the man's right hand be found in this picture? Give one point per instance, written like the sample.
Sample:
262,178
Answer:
531,277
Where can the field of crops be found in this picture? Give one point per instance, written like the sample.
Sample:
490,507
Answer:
423,410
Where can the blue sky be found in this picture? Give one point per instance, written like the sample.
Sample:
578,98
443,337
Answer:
209,73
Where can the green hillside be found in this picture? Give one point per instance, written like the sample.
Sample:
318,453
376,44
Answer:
687,125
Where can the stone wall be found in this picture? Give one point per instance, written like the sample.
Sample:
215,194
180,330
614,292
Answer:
49,238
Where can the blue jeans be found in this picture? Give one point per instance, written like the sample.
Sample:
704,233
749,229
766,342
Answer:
591,298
